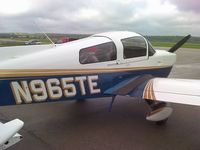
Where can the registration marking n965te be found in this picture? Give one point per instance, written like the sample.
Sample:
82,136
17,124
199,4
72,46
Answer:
53,88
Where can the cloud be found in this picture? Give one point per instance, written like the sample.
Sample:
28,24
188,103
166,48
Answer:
157,17
187,5
14,7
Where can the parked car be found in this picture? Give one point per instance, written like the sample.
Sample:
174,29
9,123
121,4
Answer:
32,42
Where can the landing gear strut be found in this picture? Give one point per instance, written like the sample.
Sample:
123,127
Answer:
160,112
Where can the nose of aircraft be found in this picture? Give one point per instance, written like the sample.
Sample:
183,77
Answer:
165,58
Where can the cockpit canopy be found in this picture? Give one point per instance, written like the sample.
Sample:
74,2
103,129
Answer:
133,46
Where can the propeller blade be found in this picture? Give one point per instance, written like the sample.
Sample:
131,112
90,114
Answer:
179,44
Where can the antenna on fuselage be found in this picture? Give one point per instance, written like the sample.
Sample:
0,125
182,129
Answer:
45,34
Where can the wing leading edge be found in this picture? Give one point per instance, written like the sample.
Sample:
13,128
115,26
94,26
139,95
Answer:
181,91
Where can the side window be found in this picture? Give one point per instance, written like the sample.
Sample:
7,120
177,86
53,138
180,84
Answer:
134,47
98,53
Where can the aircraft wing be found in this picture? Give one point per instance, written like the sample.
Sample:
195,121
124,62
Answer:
183,91
8,133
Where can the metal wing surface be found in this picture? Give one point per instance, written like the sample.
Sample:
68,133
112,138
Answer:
183,91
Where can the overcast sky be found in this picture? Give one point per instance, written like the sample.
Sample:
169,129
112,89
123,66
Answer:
149,17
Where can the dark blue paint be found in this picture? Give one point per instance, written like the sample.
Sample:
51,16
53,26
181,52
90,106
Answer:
105,82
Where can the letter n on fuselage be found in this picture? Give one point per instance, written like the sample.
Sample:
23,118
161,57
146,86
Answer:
21,92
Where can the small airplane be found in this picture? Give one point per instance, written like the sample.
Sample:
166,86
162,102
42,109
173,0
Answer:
102,65
8,133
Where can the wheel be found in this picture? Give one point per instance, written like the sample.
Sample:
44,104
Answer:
162,122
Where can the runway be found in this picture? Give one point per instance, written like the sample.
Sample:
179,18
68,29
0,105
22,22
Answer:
89,126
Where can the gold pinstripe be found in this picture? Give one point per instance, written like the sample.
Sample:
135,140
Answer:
48,72
148,91
145,93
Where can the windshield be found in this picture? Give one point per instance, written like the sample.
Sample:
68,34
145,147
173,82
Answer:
150,49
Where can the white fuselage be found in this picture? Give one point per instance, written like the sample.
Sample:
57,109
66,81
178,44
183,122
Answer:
66,56
80,69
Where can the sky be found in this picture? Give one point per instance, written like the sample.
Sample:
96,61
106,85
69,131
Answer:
148,17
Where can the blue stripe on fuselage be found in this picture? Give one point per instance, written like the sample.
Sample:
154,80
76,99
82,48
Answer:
104,82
